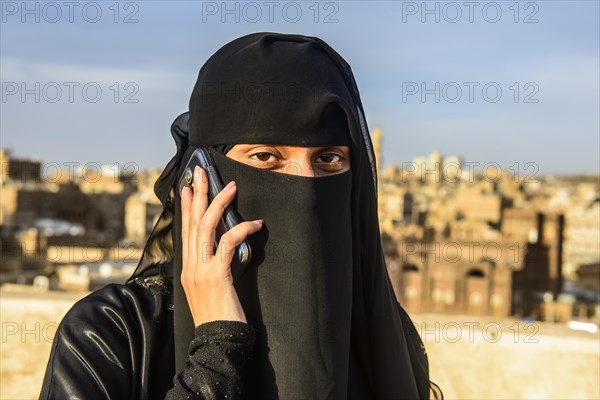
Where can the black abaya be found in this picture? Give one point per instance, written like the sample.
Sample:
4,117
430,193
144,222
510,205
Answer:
327,321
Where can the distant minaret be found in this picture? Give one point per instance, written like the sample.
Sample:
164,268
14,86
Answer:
376,137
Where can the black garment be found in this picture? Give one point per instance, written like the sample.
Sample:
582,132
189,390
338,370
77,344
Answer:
117,343
375,352
296,90
296,291
216,362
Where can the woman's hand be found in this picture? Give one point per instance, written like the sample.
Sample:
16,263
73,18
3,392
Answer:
206,276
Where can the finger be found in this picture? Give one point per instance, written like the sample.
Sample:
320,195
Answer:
201,186
187,259
233,238
213,214
186,205
199,204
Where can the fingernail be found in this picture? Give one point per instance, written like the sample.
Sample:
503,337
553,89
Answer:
229,185
196,172
258,222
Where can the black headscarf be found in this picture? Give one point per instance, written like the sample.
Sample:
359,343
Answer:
316,289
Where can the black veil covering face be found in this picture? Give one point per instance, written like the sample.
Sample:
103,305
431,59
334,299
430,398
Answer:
317,290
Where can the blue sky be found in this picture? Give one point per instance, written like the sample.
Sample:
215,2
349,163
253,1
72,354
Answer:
543,56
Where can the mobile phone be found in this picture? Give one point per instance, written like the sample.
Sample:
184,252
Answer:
202,158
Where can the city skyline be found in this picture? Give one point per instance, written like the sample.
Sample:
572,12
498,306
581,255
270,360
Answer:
517,83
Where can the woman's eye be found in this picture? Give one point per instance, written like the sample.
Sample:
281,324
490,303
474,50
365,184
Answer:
264,157
330,158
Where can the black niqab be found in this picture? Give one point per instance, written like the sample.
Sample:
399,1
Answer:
317,289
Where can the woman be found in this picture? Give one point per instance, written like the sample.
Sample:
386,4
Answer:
313,315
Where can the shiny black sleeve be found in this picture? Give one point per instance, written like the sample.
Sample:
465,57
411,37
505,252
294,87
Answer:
113,344
216,360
